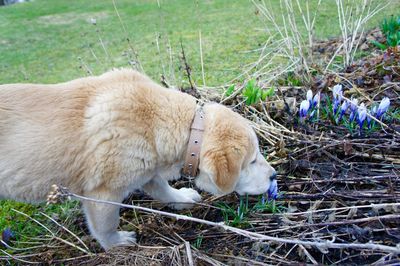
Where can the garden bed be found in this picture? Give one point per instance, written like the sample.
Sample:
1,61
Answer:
337,186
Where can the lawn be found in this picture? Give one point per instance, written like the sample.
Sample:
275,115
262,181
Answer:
50,41
54,41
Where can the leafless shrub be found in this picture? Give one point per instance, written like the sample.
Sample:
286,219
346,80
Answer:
353,16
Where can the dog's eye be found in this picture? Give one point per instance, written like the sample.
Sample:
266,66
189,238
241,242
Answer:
254,161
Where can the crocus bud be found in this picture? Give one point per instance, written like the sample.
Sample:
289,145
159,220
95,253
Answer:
337,97
316,99
383,107
304,107
343,109
273,190
362,114
353,108
337,92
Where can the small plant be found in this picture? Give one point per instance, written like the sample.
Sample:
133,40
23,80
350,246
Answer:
390,26
391,29
269,204
253,94
238,217
293,80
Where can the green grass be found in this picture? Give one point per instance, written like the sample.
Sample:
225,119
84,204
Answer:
26,229
41,41
11,219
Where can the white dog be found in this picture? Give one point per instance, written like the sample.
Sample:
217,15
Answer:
105,136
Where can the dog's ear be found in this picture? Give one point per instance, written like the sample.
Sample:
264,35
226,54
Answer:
224,165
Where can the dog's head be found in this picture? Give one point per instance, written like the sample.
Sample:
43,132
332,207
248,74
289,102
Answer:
230,158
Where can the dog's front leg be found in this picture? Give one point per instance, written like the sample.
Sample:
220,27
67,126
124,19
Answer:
103,221
159,189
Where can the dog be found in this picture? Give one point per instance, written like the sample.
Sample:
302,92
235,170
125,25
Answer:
106,136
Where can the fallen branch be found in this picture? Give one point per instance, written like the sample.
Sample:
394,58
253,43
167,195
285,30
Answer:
372,206
61,192
17,258
189,253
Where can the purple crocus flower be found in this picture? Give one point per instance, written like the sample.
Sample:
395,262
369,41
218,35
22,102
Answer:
343,109
383,107
272,193
353,109
337,92
362,114
316,99
337,97
273,190
6,235
304,107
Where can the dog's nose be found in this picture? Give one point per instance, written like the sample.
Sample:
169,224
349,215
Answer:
273,176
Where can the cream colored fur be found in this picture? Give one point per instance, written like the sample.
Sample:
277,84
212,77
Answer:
105,136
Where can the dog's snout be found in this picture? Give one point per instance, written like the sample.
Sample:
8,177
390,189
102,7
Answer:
273,176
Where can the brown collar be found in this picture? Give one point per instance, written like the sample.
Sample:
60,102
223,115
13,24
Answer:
192,160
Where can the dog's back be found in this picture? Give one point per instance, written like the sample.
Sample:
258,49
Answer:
38,123
61,134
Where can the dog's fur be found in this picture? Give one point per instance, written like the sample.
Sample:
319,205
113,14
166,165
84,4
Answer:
105,136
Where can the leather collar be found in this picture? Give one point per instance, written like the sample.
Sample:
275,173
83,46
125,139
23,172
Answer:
192,159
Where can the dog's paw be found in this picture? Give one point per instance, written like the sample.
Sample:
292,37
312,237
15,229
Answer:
119,238
187,197
190,194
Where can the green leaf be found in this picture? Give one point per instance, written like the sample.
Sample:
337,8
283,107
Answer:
253,97
392,40
250,84
258,93
263,95
267,93
248,101
230,90
270,92
379,45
